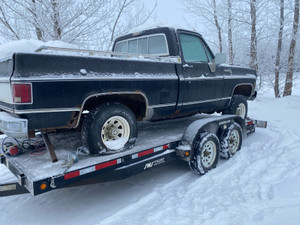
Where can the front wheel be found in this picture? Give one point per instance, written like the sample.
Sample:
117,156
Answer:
206,153
109,128
238,106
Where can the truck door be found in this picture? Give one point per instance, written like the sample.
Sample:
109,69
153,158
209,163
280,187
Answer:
202,87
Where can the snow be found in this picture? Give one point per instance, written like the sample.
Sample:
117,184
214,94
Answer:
259,185
116,144
26,46
101,76
148,26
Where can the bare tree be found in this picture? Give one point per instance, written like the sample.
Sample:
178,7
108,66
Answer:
88,23
279,47
56,20
230,42
253,44
207,13
138,18
289,76
38,31
6,21
251,26
218,25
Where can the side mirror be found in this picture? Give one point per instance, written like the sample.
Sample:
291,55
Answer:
220,58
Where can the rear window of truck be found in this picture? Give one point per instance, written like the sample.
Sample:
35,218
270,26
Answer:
148,45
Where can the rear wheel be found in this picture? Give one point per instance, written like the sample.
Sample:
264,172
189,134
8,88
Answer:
206,153
109,128
238,106
231,141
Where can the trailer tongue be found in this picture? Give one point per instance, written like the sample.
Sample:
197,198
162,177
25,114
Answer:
200,140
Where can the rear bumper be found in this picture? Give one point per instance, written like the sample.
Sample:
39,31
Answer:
13,126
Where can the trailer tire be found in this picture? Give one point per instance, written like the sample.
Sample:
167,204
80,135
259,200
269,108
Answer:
109,128
231,141
206,153
238,106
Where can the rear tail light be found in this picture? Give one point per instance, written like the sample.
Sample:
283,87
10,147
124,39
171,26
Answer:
22,93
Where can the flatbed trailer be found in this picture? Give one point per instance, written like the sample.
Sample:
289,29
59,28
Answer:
158,143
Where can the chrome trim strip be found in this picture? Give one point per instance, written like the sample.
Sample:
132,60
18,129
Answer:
204,78
112,93
31,111
226,77
240,77
104,77
4,80
205,101
162,105
171,76
6,109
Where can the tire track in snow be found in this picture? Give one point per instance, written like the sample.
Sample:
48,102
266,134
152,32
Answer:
238,190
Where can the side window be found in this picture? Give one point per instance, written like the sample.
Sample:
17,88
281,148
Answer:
132,46
121,47
192,48
158,45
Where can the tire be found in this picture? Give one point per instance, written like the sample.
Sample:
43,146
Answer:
109,128
206,153
238,106
231,141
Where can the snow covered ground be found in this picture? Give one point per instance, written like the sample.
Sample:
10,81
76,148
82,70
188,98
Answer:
259,185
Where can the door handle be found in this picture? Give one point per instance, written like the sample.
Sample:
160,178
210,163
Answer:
187,66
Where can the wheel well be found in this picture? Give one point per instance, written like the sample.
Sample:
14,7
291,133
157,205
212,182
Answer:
245,90
135,102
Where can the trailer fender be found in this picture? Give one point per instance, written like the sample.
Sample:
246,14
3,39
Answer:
211,125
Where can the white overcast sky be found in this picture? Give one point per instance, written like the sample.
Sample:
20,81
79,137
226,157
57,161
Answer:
170,12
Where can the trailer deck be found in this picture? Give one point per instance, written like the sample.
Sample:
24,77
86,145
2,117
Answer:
155,146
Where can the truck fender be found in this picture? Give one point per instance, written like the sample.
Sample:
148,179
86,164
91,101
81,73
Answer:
117,97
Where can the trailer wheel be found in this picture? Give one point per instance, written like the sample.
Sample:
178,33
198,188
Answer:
231,141
109,128
206,153
238,106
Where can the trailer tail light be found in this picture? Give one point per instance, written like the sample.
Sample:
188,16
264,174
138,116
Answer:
22,93
43,186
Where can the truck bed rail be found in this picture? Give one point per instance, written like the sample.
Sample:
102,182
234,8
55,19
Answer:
174,59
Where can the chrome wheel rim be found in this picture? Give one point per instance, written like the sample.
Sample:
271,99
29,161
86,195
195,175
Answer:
115,132
208,154
234,141
241,110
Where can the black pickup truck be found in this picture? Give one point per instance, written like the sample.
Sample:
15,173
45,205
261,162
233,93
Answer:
156,74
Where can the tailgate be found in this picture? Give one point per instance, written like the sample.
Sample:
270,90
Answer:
6,70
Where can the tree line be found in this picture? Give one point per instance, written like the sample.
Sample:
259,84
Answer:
256,33
87,23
